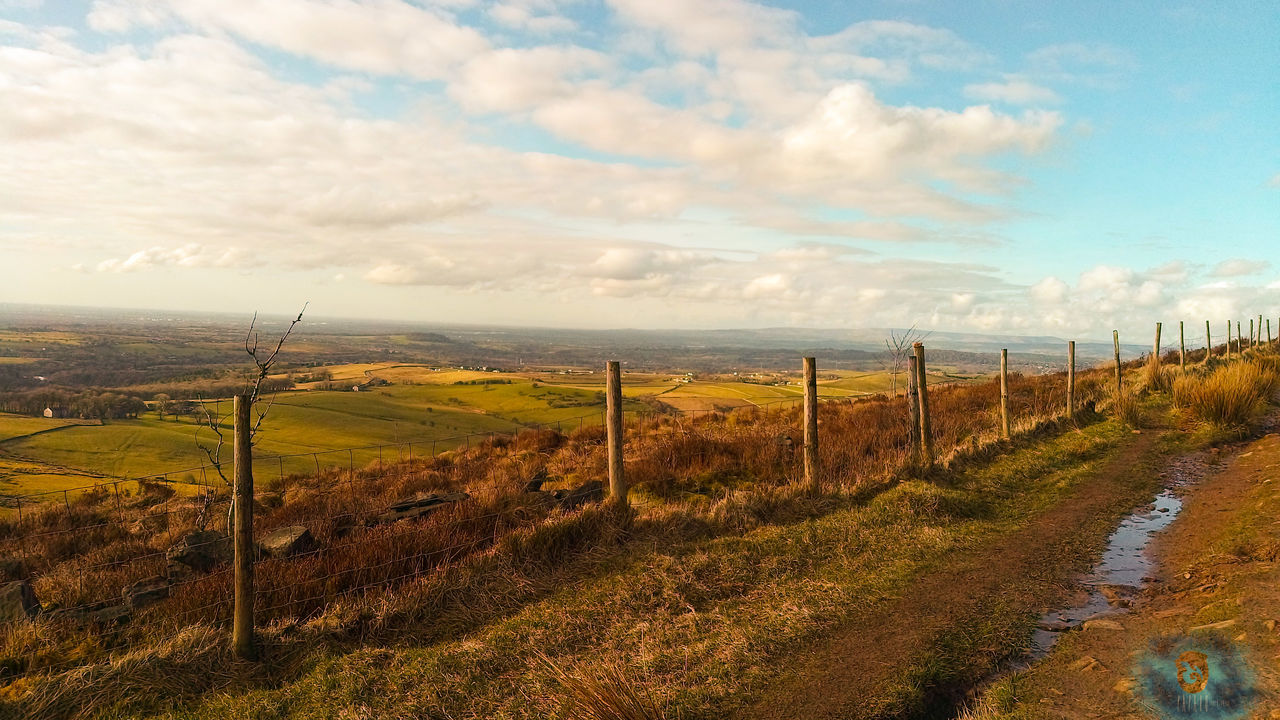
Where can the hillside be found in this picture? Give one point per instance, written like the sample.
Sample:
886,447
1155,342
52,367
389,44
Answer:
490,581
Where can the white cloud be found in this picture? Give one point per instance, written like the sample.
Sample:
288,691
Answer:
380,36
1050,290
187,256
1014,91
1239,267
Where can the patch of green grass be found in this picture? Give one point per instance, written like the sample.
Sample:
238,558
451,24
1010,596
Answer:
14,426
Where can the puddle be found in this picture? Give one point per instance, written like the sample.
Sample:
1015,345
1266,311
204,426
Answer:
1124,570
1126,566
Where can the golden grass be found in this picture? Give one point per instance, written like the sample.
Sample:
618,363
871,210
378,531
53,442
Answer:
1229,395
602,691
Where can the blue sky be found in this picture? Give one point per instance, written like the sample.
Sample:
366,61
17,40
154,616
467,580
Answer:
1002,166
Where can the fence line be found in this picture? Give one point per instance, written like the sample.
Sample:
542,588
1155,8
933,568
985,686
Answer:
248,600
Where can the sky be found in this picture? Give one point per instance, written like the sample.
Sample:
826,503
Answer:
993,166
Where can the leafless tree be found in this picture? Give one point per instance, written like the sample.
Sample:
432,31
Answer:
897,350
215,419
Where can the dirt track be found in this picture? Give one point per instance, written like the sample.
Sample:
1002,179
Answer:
1218,585
1029,570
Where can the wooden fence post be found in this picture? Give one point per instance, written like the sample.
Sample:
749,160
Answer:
926,427
613,416
913,408
1251,343
1071,379
1268,331
1259,342
1004,393
1239,339
1155,347
1182,346
1115,339
242,487
1208,342
811,423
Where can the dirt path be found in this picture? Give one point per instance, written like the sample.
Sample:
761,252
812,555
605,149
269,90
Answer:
1029,569
1217,593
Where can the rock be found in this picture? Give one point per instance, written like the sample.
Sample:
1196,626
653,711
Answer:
416,506
1270,625
1173,612
1088,662
535,484
1053,625
110,615
1116,596
201,551
1126,686
587,492
18,602
1102,625
286,541
1214,626
145,592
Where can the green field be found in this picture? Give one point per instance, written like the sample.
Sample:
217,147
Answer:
14,426
299,424
433,409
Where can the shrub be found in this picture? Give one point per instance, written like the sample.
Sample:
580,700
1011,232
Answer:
1229,395
1127,409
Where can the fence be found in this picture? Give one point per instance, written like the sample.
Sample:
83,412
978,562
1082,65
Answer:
165,559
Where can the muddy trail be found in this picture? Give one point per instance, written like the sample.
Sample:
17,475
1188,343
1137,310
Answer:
1211,590
1025,571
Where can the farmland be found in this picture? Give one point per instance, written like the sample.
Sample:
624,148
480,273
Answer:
434,409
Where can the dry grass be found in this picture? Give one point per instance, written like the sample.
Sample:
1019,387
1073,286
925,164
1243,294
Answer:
1124,403
720,474
1229,395
602,691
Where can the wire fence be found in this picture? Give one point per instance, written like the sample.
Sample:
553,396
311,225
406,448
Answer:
151,552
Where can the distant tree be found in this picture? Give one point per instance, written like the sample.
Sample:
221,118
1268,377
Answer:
897,350
163,403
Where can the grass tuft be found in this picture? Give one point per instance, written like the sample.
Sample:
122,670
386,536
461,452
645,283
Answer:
1229,395
603,691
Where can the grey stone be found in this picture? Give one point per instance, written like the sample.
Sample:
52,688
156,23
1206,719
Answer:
18,602
145,592
417,506
201,551
286,541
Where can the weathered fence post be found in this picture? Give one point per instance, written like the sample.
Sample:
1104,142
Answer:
1155,347
1004,393
926,427
1115,339
1208,343
913,408
1268,331
1228,355
1239,339
1251,343
613,411
1182,346
242,487
1071,379
811,423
